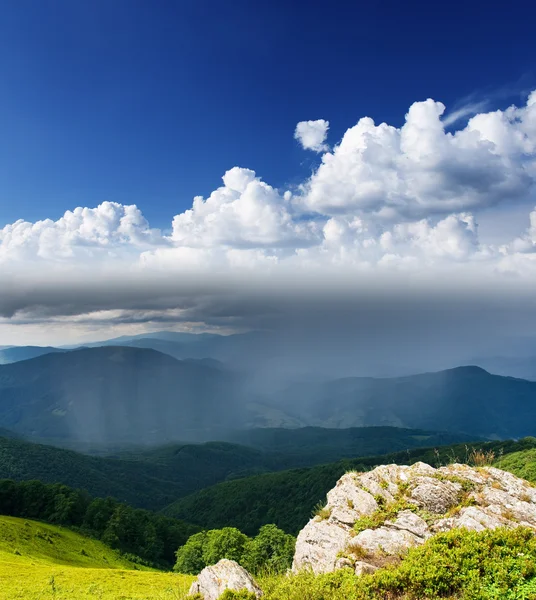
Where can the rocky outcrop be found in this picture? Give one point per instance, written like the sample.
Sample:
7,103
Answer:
224,575
384,512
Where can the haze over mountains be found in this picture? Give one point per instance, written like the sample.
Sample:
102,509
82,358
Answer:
170,386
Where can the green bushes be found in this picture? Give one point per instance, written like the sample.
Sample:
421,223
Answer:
491,565
270,551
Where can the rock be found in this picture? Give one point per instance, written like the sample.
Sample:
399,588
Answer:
319,545
224,575
386,541
347,502
363,568
434,495
456,496
343,562
472,518
411,522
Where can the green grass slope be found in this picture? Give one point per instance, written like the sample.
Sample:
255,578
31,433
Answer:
287,498
23,540
40,561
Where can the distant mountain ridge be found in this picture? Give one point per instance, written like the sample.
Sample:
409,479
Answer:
117,394
13,354
464,399
123,394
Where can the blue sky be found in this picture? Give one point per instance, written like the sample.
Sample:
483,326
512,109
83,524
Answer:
120,112
151,102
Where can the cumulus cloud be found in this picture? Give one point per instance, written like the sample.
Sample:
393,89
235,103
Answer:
420,170
384,202
82,233
244,213
312,134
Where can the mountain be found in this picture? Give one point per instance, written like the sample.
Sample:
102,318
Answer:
317,445
509,366
155,477
117,395
169,336
148,479
13,354
465,399
288,498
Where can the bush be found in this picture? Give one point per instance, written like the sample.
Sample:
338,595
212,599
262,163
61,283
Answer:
271,551
461,565
190,559
228,542
241,595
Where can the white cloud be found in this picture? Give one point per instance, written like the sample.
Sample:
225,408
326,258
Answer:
383,198
107,230
419,170
244,213
526,242
312,134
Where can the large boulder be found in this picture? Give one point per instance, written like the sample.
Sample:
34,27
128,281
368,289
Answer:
379,515
224,575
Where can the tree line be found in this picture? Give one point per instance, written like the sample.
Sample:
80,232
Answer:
142,535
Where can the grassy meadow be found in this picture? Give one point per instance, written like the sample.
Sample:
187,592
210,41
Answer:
41,562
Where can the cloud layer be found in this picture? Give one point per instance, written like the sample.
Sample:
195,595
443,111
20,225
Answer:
383,200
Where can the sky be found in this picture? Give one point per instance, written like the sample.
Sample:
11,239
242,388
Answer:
164,146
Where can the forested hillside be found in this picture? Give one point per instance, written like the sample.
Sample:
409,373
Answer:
134,532
156,476
288,498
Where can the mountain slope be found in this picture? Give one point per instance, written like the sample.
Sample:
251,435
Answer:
23,540
317,445
138,479
44,561
117,394
16,353
288,498
464,399
154,477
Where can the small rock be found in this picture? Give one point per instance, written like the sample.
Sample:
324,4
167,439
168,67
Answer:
347,502
342,563
224,575
364,568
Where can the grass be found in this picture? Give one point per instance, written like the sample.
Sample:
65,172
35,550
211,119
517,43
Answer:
21,581
42,562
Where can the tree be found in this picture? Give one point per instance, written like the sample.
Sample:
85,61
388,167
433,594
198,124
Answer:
190,558
228,542
271,551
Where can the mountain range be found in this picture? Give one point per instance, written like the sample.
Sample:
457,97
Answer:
119,395
465,399
154,477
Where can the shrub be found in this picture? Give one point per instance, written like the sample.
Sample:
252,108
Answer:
190,559
461,565
228,542
270,551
